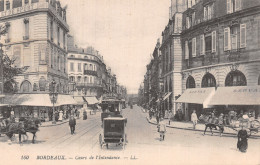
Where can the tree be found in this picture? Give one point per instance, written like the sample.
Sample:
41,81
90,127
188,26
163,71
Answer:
9,72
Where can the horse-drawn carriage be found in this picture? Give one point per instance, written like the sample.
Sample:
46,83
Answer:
113,123
26,124
114,131
229,121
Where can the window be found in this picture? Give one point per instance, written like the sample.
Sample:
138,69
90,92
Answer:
190,83
58,35
208,42
187,22
71,79
51,30
26,29
85,66
235,78
86,79
227,39
79,67
59,62
72,66
91,79
26,1
79,79
186,50
64,40
194,47
213,41
86,57
208,12
208,81
233,6
242,35
233,37
90,67
7,5
202,44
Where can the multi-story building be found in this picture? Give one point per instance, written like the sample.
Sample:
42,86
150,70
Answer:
85,70
36,39
220,43
172,55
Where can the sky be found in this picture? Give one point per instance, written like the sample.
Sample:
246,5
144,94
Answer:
124,32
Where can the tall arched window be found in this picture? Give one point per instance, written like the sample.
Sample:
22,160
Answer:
190,83
208,81
235,78
26,86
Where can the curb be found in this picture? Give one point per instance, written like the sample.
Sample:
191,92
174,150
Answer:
256,136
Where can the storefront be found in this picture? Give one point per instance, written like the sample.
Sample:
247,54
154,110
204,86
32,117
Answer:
238,98
36,105
195,99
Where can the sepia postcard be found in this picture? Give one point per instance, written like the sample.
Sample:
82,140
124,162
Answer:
130,82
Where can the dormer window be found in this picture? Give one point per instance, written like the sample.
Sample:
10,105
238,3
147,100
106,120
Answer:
208,12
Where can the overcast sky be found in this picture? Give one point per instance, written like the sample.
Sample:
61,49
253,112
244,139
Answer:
125,32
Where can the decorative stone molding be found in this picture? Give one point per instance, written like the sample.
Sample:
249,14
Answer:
234,67
26,20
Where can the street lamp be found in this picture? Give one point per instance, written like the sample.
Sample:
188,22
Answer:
1,70
53,97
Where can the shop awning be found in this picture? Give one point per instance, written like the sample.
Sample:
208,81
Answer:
3,105
2,96
37,100
197,96
91,100
167,95
79,100
28,100
65,100
236,95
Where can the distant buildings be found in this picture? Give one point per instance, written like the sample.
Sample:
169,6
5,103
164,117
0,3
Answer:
88,74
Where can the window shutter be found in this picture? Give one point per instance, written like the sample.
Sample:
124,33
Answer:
186,50
242,35
194,47
237,5
202,44
209,12
213,41
229,6
189,3
205,14
187,22
226,39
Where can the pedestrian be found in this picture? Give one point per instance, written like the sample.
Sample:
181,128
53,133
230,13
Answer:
221,124
72,124
157,117
162,129
60,115
169,117
85,116
77,113
194,119
242,135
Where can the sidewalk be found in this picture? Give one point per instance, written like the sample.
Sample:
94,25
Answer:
199,127
49,123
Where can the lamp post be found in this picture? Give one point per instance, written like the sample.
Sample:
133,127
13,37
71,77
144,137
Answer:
53,97
1,71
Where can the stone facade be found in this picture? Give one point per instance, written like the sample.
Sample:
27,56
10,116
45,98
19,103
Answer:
37,38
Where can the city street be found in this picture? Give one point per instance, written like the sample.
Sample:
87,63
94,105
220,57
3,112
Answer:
180,146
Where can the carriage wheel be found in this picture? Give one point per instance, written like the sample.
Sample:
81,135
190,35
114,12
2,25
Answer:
100,141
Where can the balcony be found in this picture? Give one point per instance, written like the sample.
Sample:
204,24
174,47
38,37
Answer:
90,72
80,84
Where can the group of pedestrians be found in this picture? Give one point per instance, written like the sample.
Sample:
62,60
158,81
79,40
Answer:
242,143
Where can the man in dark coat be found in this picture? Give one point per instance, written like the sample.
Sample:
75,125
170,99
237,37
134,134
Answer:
72,124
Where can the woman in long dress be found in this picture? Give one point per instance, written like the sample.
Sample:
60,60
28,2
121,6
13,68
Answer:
242,143
60,116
